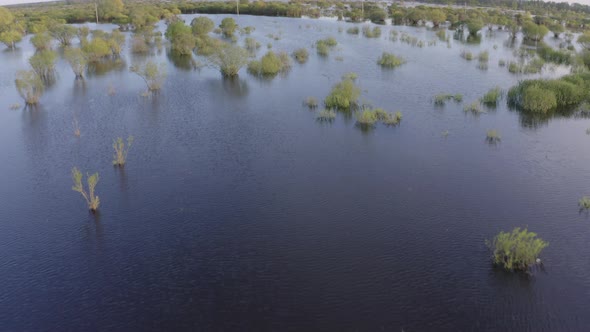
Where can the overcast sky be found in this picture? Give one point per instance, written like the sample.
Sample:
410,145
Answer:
12,2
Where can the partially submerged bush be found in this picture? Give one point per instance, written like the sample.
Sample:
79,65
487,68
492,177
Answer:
492,136
584,203
152,74
251,44
473,108
29,86
483,56
326,116
323,46
77,60
344,95
301,55
516,251
228,27
91,199
389,60
121,151
270,64
41,41
371,33
229,59
311,102
202,25
441,98
467,55
43,63
353,30
369,117
492,96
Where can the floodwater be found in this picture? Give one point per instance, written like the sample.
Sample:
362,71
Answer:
237,211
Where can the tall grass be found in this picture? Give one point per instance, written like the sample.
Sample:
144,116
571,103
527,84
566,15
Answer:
91,198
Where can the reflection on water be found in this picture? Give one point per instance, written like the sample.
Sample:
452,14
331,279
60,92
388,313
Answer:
104,67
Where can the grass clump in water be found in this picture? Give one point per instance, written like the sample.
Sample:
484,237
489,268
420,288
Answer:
323,46
584,203
91,198
492,136
441,98
301,55
516,251
492,96
501,63
473,108
344,95
311,102
367,118
29,86
121,151
326,116
371,33
353,30
389,60
483,56
467,55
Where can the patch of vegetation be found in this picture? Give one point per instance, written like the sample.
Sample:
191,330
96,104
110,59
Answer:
584,203
492,96
483,56
516,251
467,55
492,136
270,64
229,59
323,46
473,108
353,30
228,27
326,116
152,74
43,63
311,102
182,38
441,98
29,86
501,63
121,151
251,44
91,198
301,55
202,25
367,117
389,60
77,60
41,41
371,33
344,95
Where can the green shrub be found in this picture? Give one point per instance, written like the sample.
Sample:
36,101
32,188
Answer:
473,108
441,98
584,203
43,63
41,41
538,100
91,198
121,151
467,55
301,55
441,34
228,27
322,49
492,96
458,97
389,60
96,49
270,64
371,33
29,86
501,63
77,60
251,44
516,251
229,59
326,116
514,67
152,74
311,102
392,119
367,118
483,56
492,136
202,25
344,95
353,30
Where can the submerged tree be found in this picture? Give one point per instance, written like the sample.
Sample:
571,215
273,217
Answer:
228,27
29,86
229,59
77,60
41,41
181,36
121,151
202,25
63,33
10,31
152,74
43,63
91,199
516,251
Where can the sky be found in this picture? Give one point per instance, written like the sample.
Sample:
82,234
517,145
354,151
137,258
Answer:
13,2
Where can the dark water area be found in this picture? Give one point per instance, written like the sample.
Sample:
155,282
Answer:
237,211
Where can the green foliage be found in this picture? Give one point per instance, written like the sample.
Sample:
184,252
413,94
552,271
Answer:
181,37
229,59
441,98
584,203
344,95
538,100
392,119
534,32
110,9
326,116
91,198
483,56
377,15
474,25
251,44
547,53
63,33
389,60
29,86
270,64
43,63
516,251
77,60
353,30
437,16
371,33
228,27
11,37
473,108
467,55
367,118
41,41
121,151
152,74
96,49
492,136
441,34
311,102
301,55
492,96
202,25
584,40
